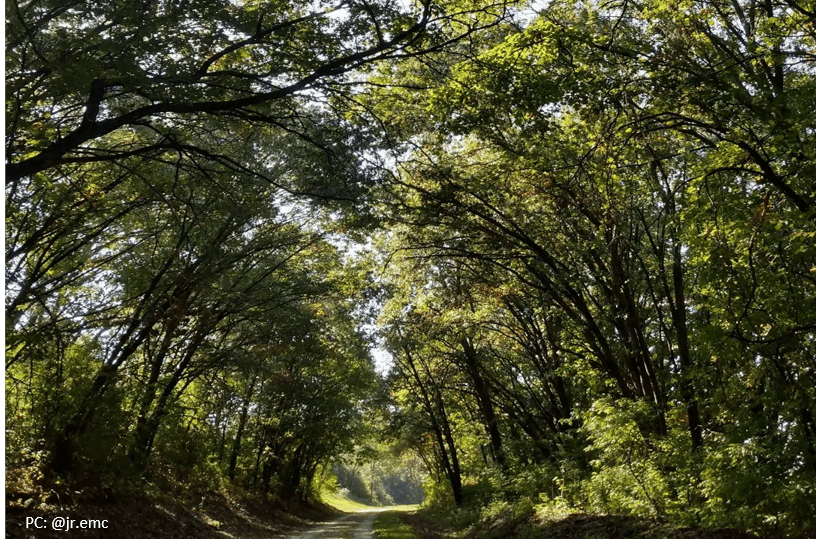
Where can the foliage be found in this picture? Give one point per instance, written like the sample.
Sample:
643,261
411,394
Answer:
380,477
583,231
179,179
626,479
598,265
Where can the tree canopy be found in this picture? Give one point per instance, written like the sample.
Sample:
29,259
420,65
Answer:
585,233
606,218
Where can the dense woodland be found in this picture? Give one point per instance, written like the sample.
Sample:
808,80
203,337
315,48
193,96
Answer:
584,232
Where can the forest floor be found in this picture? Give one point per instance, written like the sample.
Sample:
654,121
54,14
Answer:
40,507
213,515
209,514
217,516
425,524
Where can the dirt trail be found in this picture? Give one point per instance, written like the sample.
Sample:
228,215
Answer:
354,525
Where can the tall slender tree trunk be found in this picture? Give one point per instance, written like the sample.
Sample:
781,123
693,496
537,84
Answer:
683,350
242,420
485,402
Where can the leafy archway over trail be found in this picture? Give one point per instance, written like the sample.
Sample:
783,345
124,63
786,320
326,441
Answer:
175,173
585,233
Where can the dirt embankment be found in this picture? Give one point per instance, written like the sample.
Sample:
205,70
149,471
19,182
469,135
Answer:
60,514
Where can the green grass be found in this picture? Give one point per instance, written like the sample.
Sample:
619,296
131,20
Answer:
344,504
389,525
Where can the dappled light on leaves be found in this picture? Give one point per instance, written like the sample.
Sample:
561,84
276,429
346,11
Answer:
517,260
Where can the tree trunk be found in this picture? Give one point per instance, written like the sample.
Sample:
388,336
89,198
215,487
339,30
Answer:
236,445
485,402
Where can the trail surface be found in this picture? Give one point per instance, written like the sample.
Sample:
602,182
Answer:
353,525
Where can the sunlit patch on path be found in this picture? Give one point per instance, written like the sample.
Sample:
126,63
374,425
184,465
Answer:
354,525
